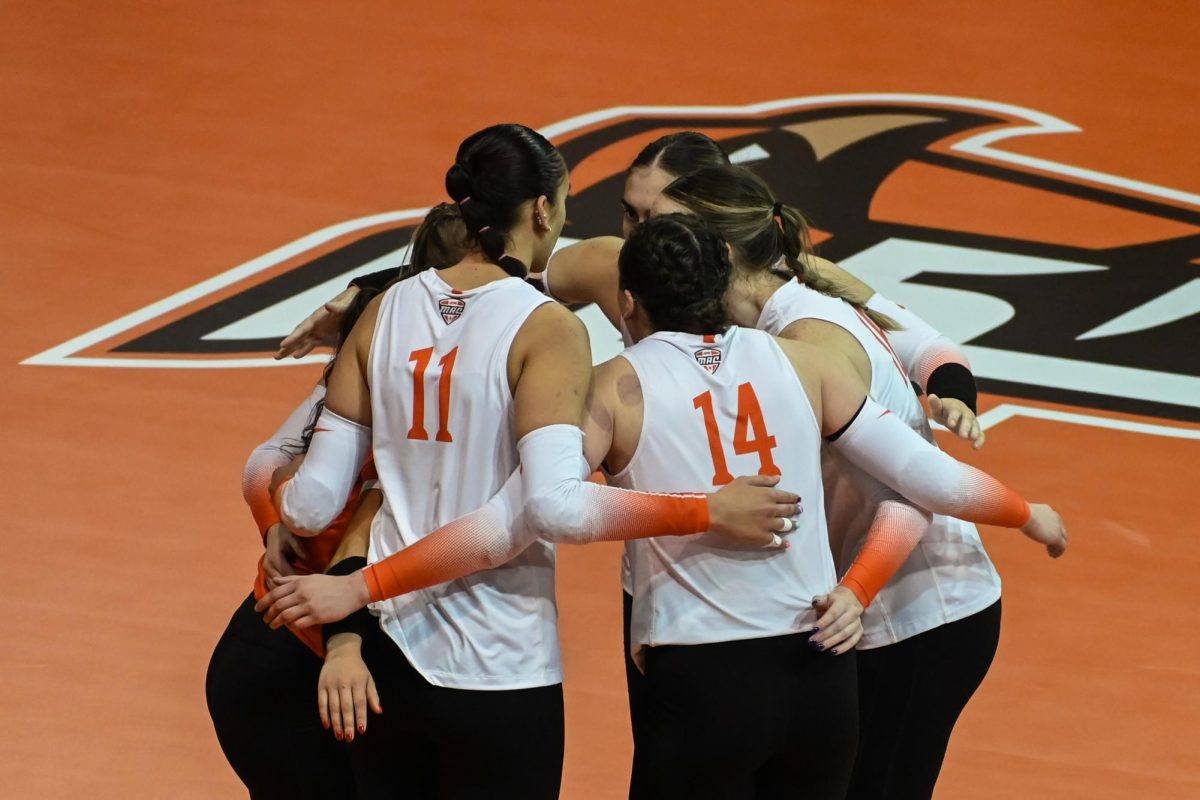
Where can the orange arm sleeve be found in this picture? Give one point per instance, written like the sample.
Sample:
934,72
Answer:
894,533
494,534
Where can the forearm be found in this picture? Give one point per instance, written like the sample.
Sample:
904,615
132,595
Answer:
547,498
310,501
278,451
894,533
562,506
357,539
483,539
376,280
936,363
894,454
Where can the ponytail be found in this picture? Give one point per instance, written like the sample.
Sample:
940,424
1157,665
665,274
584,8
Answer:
495,171
765,233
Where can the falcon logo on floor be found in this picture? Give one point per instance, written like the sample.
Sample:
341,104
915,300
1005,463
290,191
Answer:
709,358
1062,283
451,308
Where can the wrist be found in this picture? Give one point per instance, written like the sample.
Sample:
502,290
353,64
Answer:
853,589
345,643
358,585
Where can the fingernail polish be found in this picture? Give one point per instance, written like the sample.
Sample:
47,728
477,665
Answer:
362,728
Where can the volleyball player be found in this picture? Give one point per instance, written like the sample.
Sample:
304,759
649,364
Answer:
446,380
260,681
707,733
930,636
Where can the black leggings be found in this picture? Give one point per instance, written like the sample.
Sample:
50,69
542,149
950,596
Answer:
910,696
756,719
456,744
262,697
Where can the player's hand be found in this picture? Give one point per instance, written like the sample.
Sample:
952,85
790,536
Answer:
1046,526
840,626
307,600
321,327
752,510
283,549
958,418
346,689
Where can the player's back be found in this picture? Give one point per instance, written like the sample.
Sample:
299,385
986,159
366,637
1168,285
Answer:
716,407
444,443
949,575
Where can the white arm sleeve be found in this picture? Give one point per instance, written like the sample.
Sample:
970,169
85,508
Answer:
561,506
312,499
920,347
276,452
892,453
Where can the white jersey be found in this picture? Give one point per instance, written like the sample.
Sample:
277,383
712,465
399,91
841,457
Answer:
444,443
717,407
949,575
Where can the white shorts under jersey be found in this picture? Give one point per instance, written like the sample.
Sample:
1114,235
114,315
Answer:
717,407
949,575
443,442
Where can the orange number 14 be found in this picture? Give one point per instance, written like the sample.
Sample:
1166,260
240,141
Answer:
749,420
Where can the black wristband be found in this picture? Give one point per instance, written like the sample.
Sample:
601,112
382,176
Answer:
361,621
376,280
953,381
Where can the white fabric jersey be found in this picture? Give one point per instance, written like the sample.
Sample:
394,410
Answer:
949,575
626,569
711,403
444,443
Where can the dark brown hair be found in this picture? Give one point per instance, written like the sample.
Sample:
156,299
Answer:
762,231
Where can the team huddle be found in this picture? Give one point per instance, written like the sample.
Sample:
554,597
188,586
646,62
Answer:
808,605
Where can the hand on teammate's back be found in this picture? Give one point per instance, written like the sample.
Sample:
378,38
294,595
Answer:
346,688
958,418
283,548
752,510
320,327
840,626
1046,526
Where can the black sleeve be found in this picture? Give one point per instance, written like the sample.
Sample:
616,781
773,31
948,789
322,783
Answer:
361,621
956,381
376,280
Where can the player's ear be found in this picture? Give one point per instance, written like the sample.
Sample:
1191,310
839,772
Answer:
626,304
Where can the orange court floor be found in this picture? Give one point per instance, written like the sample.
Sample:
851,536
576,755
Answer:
171,179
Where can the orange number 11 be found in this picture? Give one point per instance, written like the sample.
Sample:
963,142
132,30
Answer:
422,358
749,419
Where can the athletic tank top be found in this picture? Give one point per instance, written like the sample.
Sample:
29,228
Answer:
626,570
949,575
717,407
444,444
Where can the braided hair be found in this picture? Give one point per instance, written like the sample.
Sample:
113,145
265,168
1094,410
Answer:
765,233
678,269
495,172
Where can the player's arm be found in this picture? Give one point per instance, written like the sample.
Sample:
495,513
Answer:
933,360
548,497
312,499
345,688
871,437
586,272
938,365
560,504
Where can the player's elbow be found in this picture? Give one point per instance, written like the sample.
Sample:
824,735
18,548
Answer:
557,517
307,510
